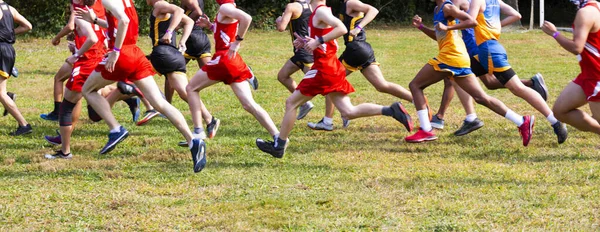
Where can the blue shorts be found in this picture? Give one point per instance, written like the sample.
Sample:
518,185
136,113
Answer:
456,72
492,56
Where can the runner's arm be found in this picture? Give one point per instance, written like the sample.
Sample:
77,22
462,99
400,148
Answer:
66,29
188,25
339,29
229,10
86,30
283,20
369,11
581,30
176,14
465,20
192,4
117,9
418,23
24,24
512,15
475,8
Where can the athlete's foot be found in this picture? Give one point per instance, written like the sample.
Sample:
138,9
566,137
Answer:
304,109
437,122
114,139
345,122
15,72
93,115
22,130
468,127
402,116
129,88
201,136
11,96
421,136
213,127
526,130
539,85
54,140
253,80
58,155
198,151
148,115
560,129
275,149
52,116
320,126
134,107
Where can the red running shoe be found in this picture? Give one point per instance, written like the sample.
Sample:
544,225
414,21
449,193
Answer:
526,129
421,136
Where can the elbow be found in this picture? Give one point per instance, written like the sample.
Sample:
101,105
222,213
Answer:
28,26
93,39
280,28
518,16
472,23
374,10
343,30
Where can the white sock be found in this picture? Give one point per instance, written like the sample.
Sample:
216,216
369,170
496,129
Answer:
471,117
116,129
424,120
191,143
327,120
552,119
514,117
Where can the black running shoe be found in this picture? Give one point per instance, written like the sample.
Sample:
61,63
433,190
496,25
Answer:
114,139
402,116
560,129
11,96
198,151
468,127
539,85
94,116
271,148
59,155
21,130
129,88
213,127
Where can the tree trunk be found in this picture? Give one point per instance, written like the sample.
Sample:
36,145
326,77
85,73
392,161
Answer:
514,4
532,14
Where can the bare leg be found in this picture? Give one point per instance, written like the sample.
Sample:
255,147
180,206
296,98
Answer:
197,84
349,111
284,75
492,83
169,91
566,109
10,105
291,105
67,131
59,78
531,96
375,77
244,94
446,98
426,77
90,91
471,86
465,99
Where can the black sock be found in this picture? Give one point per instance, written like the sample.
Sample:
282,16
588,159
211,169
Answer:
281,142
131,102
387,111
56,107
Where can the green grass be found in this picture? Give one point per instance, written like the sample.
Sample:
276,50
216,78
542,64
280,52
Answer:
364,177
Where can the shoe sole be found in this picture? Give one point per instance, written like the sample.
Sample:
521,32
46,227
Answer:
213,133
145,120
182,144
409,125
531,124
422,140
437,126
542,84
469,131
319,129
112,146
200,164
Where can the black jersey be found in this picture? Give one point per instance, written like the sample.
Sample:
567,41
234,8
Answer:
7,25
158,28
300,25
189,12
350,23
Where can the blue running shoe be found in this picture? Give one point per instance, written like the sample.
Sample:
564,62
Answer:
198,154
50,116
135,109
114,139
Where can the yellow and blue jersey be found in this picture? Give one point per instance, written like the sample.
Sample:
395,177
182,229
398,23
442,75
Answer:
489,24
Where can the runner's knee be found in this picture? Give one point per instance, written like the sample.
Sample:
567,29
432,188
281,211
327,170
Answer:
65,115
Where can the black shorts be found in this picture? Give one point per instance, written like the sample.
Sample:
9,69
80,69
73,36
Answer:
7,60
358,55
167,59
198,45
503,77
302,58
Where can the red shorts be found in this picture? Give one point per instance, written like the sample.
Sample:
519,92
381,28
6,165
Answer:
590,86
81,71
221,68
131,66
316,82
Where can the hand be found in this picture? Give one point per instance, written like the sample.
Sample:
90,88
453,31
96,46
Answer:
354,32
417,21
55,41
203,21
233,49
111,60
87,14
72,47
549,28
299,42
72,59
278,20
182,48
311,44
166,39
441,27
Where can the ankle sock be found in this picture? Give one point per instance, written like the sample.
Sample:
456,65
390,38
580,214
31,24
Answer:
552,119
424,120
514,117
471,117
387,111
327,120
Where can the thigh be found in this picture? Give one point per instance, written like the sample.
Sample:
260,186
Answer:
201,81
242,92
72,96
595,108
64,72
177,79
572,97
470,85
95,82
428,76
289,68
374,75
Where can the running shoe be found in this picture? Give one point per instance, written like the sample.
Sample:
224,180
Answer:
201,136
58,155
213,127
54,140
114,139
468,127
320,126
304,109
253,80
50,116
560,129
526,130
402,116
134,107
22,130
539,85
421,136
276,150
15,72
148,115
198,151
93,115
345,122
128,88
11,96
437,122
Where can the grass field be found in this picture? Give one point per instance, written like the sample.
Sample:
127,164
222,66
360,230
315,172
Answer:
364,177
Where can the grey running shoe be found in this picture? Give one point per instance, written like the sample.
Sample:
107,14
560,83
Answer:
560,129
21,130
539,85
304,109
275,149
59,155
253,80
402,116
320,126
345,122
468,127
437,122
